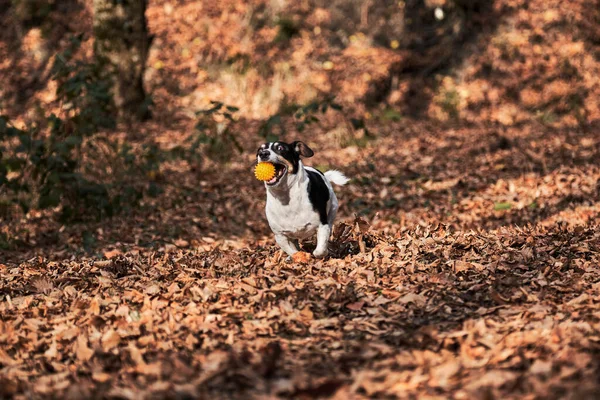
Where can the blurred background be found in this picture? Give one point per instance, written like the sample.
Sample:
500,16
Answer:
133,125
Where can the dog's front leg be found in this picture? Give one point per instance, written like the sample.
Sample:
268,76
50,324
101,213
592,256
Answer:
322,241
288,245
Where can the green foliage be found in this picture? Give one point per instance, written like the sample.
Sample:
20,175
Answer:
356,132
32,12
389,114
287,29
82,91
450,103
362,138
60,161
546,117
502,206
214,127
42,163
303,116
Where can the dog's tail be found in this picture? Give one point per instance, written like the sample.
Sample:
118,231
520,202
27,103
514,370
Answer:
336,177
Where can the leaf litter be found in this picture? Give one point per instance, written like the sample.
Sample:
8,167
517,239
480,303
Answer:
398,320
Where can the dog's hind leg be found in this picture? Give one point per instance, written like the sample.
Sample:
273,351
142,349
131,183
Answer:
288,245
333,208
322,241
324,231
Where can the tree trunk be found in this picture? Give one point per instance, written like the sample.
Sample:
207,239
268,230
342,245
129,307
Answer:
121,49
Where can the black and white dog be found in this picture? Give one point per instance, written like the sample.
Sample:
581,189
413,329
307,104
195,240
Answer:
300,200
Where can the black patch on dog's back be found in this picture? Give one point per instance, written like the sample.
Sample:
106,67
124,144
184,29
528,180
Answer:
318,194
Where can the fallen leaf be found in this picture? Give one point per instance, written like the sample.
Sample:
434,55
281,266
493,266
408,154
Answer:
301,257
112,253
415,298
68,334
52,351
541,367
101,377
494,378
181,243
306,314
443,373
136,354
355,306
459,266
123,393
362,224
6,359
502,206
152,290
110,340
84,353
578,300
149,369
94,307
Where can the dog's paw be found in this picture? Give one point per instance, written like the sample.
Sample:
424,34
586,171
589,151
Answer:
321,253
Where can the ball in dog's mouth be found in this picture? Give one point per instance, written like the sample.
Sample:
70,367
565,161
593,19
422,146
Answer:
280,171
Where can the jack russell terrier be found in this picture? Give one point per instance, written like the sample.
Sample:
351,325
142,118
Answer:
300,199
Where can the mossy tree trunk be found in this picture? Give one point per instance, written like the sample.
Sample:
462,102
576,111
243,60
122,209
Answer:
121,49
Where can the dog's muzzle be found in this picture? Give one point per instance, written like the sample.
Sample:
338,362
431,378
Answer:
280,171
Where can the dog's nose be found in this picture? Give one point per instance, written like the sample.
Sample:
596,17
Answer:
264,154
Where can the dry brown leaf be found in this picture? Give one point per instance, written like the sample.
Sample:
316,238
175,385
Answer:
149,369
6,359
579,299
442,374
68,334
173,288
110,340
136,354
306,314
355,306
101,377
112,253
494,378
541,367
181,243
52,351
415,298
301,257
152,290
84,353
123,393
362,225
94,307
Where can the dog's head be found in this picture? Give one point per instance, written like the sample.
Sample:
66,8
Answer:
285,157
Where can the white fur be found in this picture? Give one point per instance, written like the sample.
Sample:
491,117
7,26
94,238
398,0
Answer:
337,177
297,220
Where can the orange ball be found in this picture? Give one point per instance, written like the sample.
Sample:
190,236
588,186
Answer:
264,171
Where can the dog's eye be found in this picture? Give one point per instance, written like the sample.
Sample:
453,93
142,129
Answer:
280,148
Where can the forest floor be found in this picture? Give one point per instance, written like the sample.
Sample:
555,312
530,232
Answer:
464,262
471,271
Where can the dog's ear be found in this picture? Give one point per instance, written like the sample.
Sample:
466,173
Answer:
303,149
